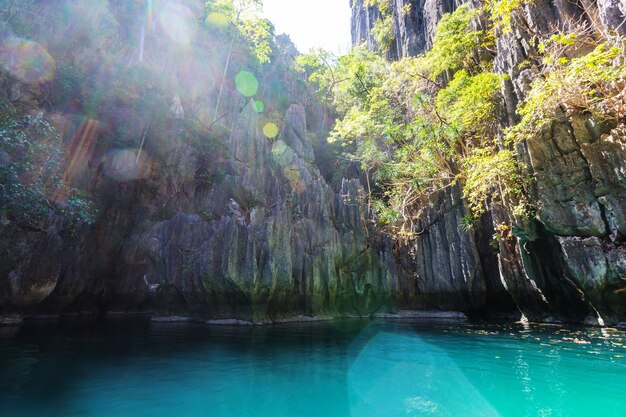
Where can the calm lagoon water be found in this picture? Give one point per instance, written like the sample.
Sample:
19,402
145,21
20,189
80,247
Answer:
334,369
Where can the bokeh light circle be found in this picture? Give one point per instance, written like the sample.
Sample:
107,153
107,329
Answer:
270,130
282,153
259,106
26,60
246,83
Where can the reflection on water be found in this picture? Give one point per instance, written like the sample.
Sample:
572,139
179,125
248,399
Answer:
397,374
334,369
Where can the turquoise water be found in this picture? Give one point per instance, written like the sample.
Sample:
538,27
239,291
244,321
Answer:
334,369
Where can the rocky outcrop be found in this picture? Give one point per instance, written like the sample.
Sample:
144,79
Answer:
448,273
364,17
580,194
200,213
415,23
567,264
570,255
612,14
280,243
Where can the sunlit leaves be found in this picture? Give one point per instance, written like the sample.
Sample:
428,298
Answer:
472,103
423,124
501,12
488,171
456,41
242,18
318,67
592,82
384,32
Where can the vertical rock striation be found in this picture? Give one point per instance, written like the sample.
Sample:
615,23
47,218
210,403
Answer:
415,23
567,264
227,223
280,242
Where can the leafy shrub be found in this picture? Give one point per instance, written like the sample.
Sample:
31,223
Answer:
590,83
489,172
456,42
30,173
384,33
472,103
501,12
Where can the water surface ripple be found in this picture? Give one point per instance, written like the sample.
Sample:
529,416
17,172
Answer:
333,369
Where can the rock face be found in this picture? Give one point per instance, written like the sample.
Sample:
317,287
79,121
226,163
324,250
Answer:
567,264
571,254
279,242
415,23
363,20
269,240
200,213
222,222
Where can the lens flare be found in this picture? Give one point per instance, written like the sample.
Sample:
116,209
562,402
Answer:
246,83
26,60
283,154
292,173
271,131
402,375
150,11
79,151
177,22
259,106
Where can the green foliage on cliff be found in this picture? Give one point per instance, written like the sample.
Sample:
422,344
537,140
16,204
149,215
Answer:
456,43
488,170
384,33
424,124
384,27
384,6
413,134
31,180
241,19
589,83
318,68
472,103
501,12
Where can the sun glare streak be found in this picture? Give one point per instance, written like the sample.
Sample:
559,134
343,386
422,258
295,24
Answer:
142,41
395,374
150,10
79,149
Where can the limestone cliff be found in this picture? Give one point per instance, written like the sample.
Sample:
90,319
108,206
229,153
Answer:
415,23
212,202
568,263
204,210
278,241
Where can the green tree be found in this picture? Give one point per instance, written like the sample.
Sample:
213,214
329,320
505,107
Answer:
456,43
